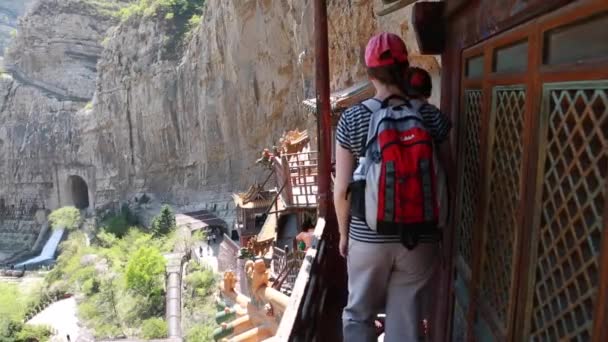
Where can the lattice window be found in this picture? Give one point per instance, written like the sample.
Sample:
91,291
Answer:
470,178
575,171
506,156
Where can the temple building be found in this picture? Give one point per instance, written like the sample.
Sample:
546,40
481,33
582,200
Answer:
252,209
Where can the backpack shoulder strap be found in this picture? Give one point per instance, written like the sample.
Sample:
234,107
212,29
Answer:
417,105
372,105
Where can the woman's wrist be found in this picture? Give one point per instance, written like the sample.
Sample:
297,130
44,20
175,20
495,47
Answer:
344,234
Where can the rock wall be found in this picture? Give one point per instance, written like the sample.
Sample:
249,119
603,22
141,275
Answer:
181,118
10,11
50,75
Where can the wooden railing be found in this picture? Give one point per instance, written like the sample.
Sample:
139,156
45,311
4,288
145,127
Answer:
278,260
319,292
287,267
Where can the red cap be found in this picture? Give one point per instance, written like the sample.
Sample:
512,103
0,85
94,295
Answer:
417,80
381,43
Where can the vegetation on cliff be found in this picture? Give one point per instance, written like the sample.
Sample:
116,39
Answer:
15,303
65,218
164,223
118,278
180,16
170,9
121,280
199,307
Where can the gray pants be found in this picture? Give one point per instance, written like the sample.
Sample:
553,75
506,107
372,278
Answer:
386,277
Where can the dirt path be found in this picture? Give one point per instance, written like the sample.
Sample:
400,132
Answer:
209,255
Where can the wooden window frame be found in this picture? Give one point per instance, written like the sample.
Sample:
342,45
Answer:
533,79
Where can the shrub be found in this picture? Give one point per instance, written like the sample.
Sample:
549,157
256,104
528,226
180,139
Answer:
168,8
116,225
120,223
9,329
201,281
66,217
144,271
14,304
181,16
164,223
34,333
200,333
154,328
193,23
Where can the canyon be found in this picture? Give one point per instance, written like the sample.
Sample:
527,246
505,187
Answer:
96,111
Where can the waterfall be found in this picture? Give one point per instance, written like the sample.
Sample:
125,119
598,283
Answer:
48,251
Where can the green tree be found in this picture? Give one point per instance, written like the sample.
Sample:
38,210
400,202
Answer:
164,223
154,328
144,271
66,217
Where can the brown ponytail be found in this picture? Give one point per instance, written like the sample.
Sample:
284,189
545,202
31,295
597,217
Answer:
394,75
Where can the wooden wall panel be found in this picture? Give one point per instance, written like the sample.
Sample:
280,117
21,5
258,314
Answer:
502,222
570,223
516,287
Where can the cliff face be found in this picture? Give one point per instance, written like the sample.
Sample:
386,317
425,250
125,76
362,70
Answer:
179,117
50,75
203,118
10,11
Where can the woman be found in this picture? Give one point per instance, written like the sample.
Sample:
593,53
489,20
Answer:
382,273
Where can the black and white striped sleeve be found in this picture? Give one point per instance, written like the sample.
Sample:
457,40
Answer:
437,122
343,131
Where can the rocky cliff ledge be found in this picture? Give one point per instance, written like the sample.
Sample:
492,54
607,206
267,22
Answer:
180,116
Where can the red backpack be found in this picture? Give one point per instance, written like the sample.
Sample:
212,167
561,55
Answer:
395,187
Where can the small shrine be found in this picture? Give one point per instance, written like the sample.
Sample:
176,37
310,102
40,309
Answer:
251,211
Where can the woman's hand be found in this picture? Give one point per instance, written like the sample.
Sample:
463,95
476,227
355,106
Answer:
343,246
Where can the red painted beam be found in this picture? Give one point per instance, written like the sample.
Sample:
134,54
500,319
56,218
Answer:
323,105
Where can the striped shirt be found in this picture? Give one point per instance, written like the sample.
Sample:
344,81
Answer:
351,134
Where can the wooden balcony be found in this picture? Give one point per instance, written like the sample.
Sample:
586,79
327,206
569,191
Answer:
319,293
297,175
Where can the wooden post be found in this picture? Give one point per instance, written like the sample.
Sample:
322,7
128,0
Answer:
323,105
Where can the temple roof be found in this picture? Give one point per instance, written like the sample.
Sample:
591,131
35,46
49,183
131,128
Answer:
199,220
294,141
254,197
342,99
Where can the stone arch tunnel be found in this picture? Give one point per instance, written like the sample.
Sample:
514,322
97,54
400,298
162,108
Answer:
79,191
